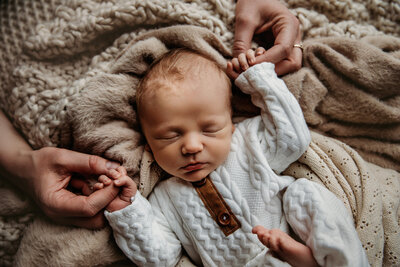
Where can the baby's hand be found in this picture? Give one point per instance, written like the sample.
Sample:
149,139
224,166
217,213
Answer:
243,62
120,179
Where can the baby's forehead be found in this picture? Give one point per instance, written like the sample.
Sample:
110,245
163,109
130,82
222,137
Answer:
178,72
187,69
189,84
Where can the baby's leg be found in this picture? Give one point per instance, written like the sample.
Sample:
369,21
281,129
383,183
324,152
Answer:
287,249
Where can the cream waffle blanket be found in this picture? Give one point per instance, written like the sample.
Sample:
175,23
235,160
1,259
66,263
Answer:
57,58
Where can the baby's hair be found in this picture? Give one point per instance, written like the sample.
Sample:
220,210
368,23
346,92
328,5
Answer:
172,67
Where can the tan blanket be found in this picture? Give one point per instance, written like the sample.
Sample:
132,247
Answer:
349,90
50,51
102,121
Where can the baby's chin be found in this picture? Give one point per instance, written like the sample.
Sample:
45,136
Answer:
195,176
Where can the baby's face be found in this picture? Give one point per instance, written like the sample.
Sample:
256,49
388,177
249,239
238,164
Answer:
189,127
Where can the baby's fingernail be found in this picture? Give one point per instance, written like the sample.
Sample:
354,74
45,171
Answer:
117,182
115,173
112,165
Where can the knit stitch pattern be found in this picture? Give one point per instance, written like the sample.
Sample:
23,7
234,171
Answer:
49,49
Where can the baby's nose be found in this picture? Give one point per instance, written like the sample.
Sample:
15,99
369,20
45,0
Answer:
192,144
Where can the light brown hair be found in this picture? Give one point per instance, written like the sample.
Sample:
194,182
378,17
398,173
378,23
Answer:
175,66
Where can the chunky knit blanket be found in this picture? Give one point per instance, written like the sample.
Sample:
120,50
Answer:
54,56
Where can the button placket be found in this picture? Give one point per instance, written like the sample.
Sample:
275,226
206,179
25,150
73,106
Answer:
216,206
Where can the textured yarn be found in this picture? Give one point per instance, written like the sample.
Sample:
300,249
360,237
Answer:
49,49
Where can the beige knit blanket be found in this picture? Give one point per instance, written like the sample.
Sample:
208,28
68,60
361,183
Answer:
54,57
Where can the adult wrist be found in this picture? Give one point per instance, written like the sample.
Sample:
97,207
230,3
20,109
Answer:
17,168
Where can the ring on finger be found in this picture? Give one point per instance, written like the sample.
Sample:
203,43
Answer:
299,45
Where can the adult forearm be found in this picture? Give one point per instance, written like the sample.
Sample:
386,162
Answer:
15,154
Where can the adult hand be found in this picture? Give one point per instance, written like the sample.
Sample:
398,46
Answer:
45,174
270,20
53,169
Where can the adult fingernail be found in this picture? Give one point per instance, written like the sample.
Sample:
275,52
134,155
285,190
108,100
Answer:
112,165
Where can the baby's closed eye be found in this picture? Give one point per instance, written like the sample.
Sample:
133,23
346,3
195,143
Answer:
168,136
212,129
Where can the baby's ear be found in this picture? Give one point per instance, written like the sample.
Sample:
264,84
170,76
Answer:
147,148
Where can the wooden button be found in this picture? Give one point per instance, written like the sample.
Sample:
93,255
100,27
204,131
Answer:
224,218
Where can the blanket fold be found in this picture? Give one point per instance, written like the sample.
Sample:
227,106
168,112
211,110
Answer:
68,78
348,89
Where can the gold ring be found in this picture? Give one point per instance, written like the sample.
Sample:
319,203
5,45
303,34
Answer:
299,45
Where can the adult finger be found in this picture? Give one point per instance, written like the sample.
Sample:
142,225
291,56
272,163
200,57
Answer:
293,62
84,163
286,31
72,205
287,66
81,185
244,32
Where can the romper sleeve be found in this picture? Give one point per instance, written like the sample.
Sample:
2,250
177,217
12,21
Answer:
321,220
282,130
143,233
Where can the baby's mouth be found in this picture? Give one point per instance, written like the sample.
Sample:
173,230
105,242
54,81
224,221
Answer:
194,166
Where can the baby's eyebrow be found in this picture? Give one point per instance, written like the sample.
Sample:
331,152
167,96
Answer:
168,128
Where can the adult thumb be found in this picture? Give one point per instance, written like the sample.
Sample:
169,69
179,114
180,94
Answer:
86,164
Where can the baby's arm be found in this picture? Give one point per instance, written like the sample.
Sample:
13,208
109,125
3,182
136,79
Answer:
140,228
281,129
285,247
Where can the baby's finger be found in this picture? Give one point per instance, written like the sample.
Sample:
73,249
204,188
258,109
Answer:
114,174
260,50
244,65
230,71
259,229
122,181
250,55
236,65
122,170
104,179
98,186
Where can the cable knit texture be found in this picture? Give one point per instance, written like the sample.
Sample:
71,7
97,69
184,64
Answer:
178,216
52,50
